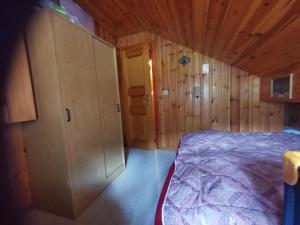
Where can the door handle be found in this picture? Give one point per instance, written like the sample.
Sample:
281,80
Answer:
68,114
118,107
147,98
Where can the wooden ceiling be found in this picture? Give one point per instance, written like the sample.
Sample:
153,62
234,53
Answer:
259,36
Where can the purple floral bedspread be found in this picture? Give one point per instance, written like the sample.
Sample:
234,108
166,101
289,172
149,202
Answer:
224,178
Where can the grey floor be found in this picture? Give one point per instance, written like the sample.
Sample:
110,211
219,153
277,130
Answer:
130,200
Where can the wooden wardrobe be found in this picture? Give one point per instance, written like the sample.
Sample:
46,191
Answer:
75,147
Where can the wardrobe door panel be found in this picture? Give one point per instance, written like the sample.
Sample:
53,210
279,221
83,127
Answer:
78,86
44,138
106,68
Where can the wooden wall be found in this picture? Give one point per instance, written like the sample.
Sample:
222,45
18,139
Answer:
230,98
292,115
20,107
17,165
104,34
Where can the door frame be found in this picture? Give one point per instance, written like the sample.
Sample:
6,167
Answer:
123,93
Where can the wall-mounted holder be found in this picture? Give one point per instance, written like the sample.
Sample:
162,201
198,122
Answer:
165,92
197,92
184,59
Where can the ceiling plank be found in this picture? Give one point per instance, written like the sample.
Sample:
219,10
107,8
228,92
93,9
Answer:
258,36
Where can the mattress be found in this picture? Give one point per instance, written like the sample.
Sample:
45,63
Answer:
224,178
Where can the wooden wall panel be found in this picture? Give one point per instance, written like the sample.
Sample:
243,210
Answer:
230,98
257,113
244,101
276,116
292,115
181,83
205,100
197,62
225,97
19,100
164,112
235,80
17,165
188,101
105,34
172,80
215,95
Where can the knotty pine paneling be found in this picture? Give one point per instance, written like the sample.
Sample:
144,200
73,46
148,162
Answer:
230,97
244,101
235,99
292,115
17,165
104,34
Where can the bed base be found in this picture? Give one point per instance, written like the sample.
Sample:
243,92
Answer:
291,170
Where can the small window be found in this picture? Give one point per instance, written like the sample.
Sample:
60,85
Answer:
282,87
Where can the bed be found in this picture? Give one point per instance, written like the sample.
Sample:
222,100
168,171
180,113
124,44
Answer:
222,178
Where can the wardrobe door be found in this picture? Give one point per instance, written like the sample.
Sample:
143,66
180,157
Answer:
44,138
106,68
78,86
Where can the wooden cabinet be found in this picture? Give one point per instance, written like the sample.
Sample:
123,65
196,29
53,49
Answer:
18,100
265,89
72,151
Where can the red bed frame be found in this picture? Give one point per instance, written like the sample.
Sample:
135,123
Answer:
158,213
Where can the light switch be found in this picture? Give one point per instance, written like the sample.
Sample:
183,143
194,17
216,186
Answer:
165,92
205,68
197,92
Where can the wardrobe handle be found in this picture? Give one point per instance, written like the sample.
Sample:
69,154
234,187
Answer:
147,97
68,114
118,107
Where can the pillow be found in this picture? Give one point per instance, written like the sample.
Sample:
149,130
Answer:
291,130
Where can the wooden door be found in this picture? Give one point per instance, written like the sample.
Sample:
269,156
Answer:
137,97
78,86
108,91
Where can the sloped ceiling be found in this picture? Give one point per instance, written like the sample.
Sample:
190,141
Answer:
259,36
